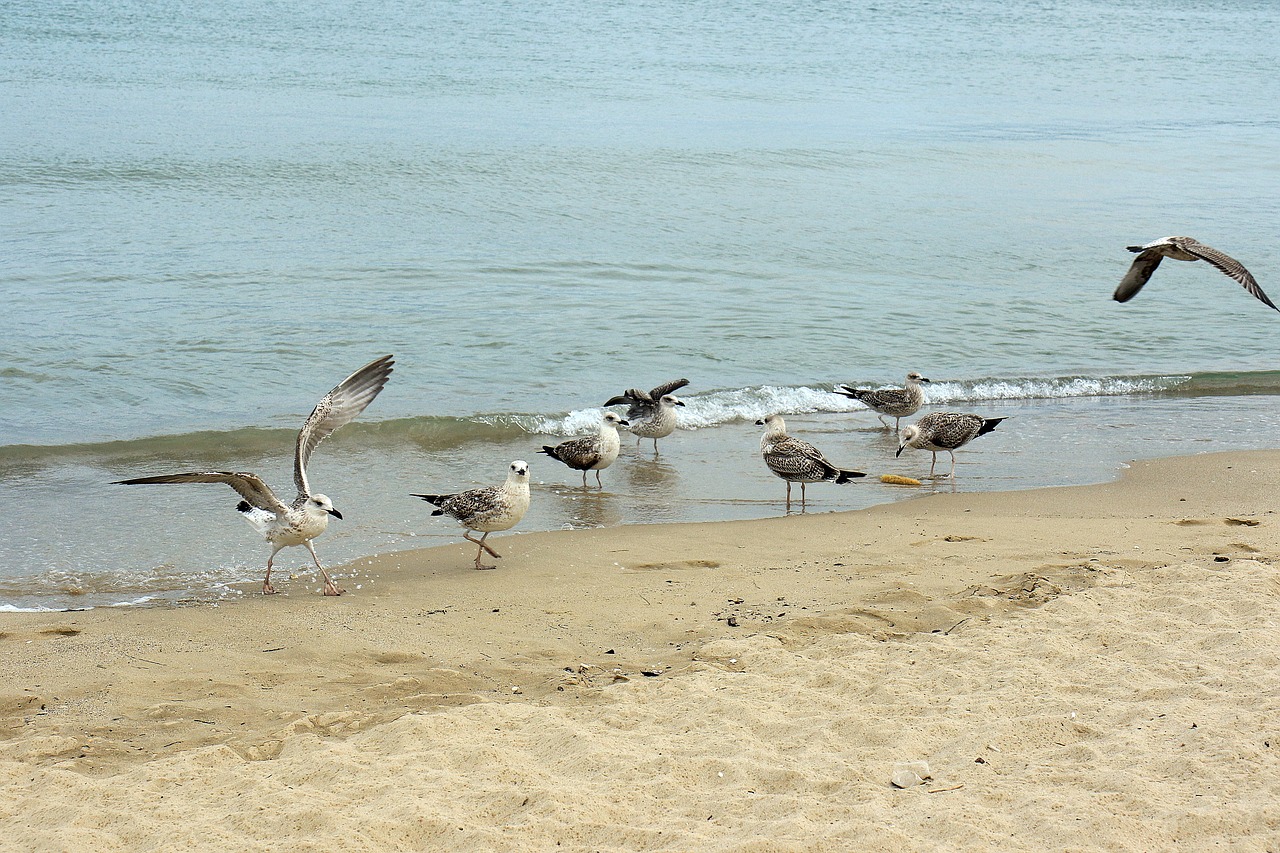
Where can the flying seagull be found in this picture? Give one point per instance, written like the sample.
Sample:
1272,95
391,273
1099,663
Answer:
897,403
593,453
797,461
947,431
487,510
1183,249
307,517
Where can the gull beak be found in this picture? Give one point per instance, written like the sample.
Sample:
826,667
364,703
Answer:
624,423
759,423
901,447
922,379
680,403
334,513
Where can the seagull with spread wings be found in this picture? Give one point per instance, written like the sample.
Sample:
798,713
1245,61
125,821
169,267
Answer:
1183,249
308,516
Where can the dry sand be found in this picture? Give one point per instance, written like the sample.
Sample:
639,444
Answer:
1092,668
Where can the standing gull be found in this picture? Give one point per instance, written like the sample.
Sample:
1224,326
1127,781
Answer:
651,413
797,461
488,510
659,422
947,431
1183,249
593,453
897,403
308,516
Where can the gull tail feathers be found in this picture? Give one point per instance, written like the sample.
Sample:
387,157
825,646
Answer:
988,424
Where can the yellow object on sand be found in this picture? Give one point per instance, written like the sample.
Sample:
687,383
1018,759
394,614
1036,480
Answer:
895,480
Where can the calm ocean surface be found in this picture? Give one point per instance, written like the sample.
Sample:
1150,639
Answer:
211,213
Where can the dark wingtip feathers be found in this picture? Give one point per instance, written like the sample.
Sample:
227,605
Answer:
988,424
846,476
244,506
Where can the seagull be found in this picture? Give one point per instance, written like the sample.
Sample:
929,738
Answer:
593,453
947,431
1183,249
643,405
797,461
897,403
488,510
307,517
653,420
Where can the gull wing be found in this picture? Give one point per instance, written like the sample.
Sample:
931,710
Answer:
669,388
635,398
340,406
1229,266
1139,273
247,485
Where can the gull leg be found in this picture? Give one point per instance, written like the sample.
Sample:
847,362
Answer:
883,421
267,588
483,547
952,475
598,483
933,463
788,496
802,497
655,447
584,478
330,588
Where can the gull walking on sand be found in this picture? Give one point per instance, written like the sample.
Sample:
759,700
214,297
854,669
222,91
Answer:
897,403
1183,249
947,431
651,413
797,461
593,453
487,510
308,516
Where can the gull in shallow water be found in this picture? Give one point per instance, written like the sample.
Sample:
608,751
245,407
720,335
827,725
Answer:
651,413
657,420
897,403
1183,249
797,461
947,431
487,510
593,453
308,516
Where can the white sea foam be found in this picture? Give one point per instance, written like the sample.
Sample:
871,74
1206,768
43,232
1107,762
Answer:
751,404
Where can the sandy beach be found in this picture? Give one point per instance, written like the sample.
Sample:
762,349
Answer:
1085,668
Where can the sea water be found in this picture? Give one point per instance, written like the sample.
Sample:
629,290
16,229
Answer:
212,213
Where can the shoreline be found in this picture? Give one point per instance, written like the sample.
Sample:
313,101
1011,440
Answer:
728,645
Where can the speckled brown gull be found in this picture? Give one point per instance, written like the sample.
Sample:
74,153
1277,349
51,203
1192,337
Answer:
1183,249
897,403
947,431
592,453
308,516
797,461
487,510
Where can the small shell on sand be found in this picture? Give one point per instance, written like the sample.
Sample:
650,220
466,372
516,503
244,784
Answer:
895,480
908,774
